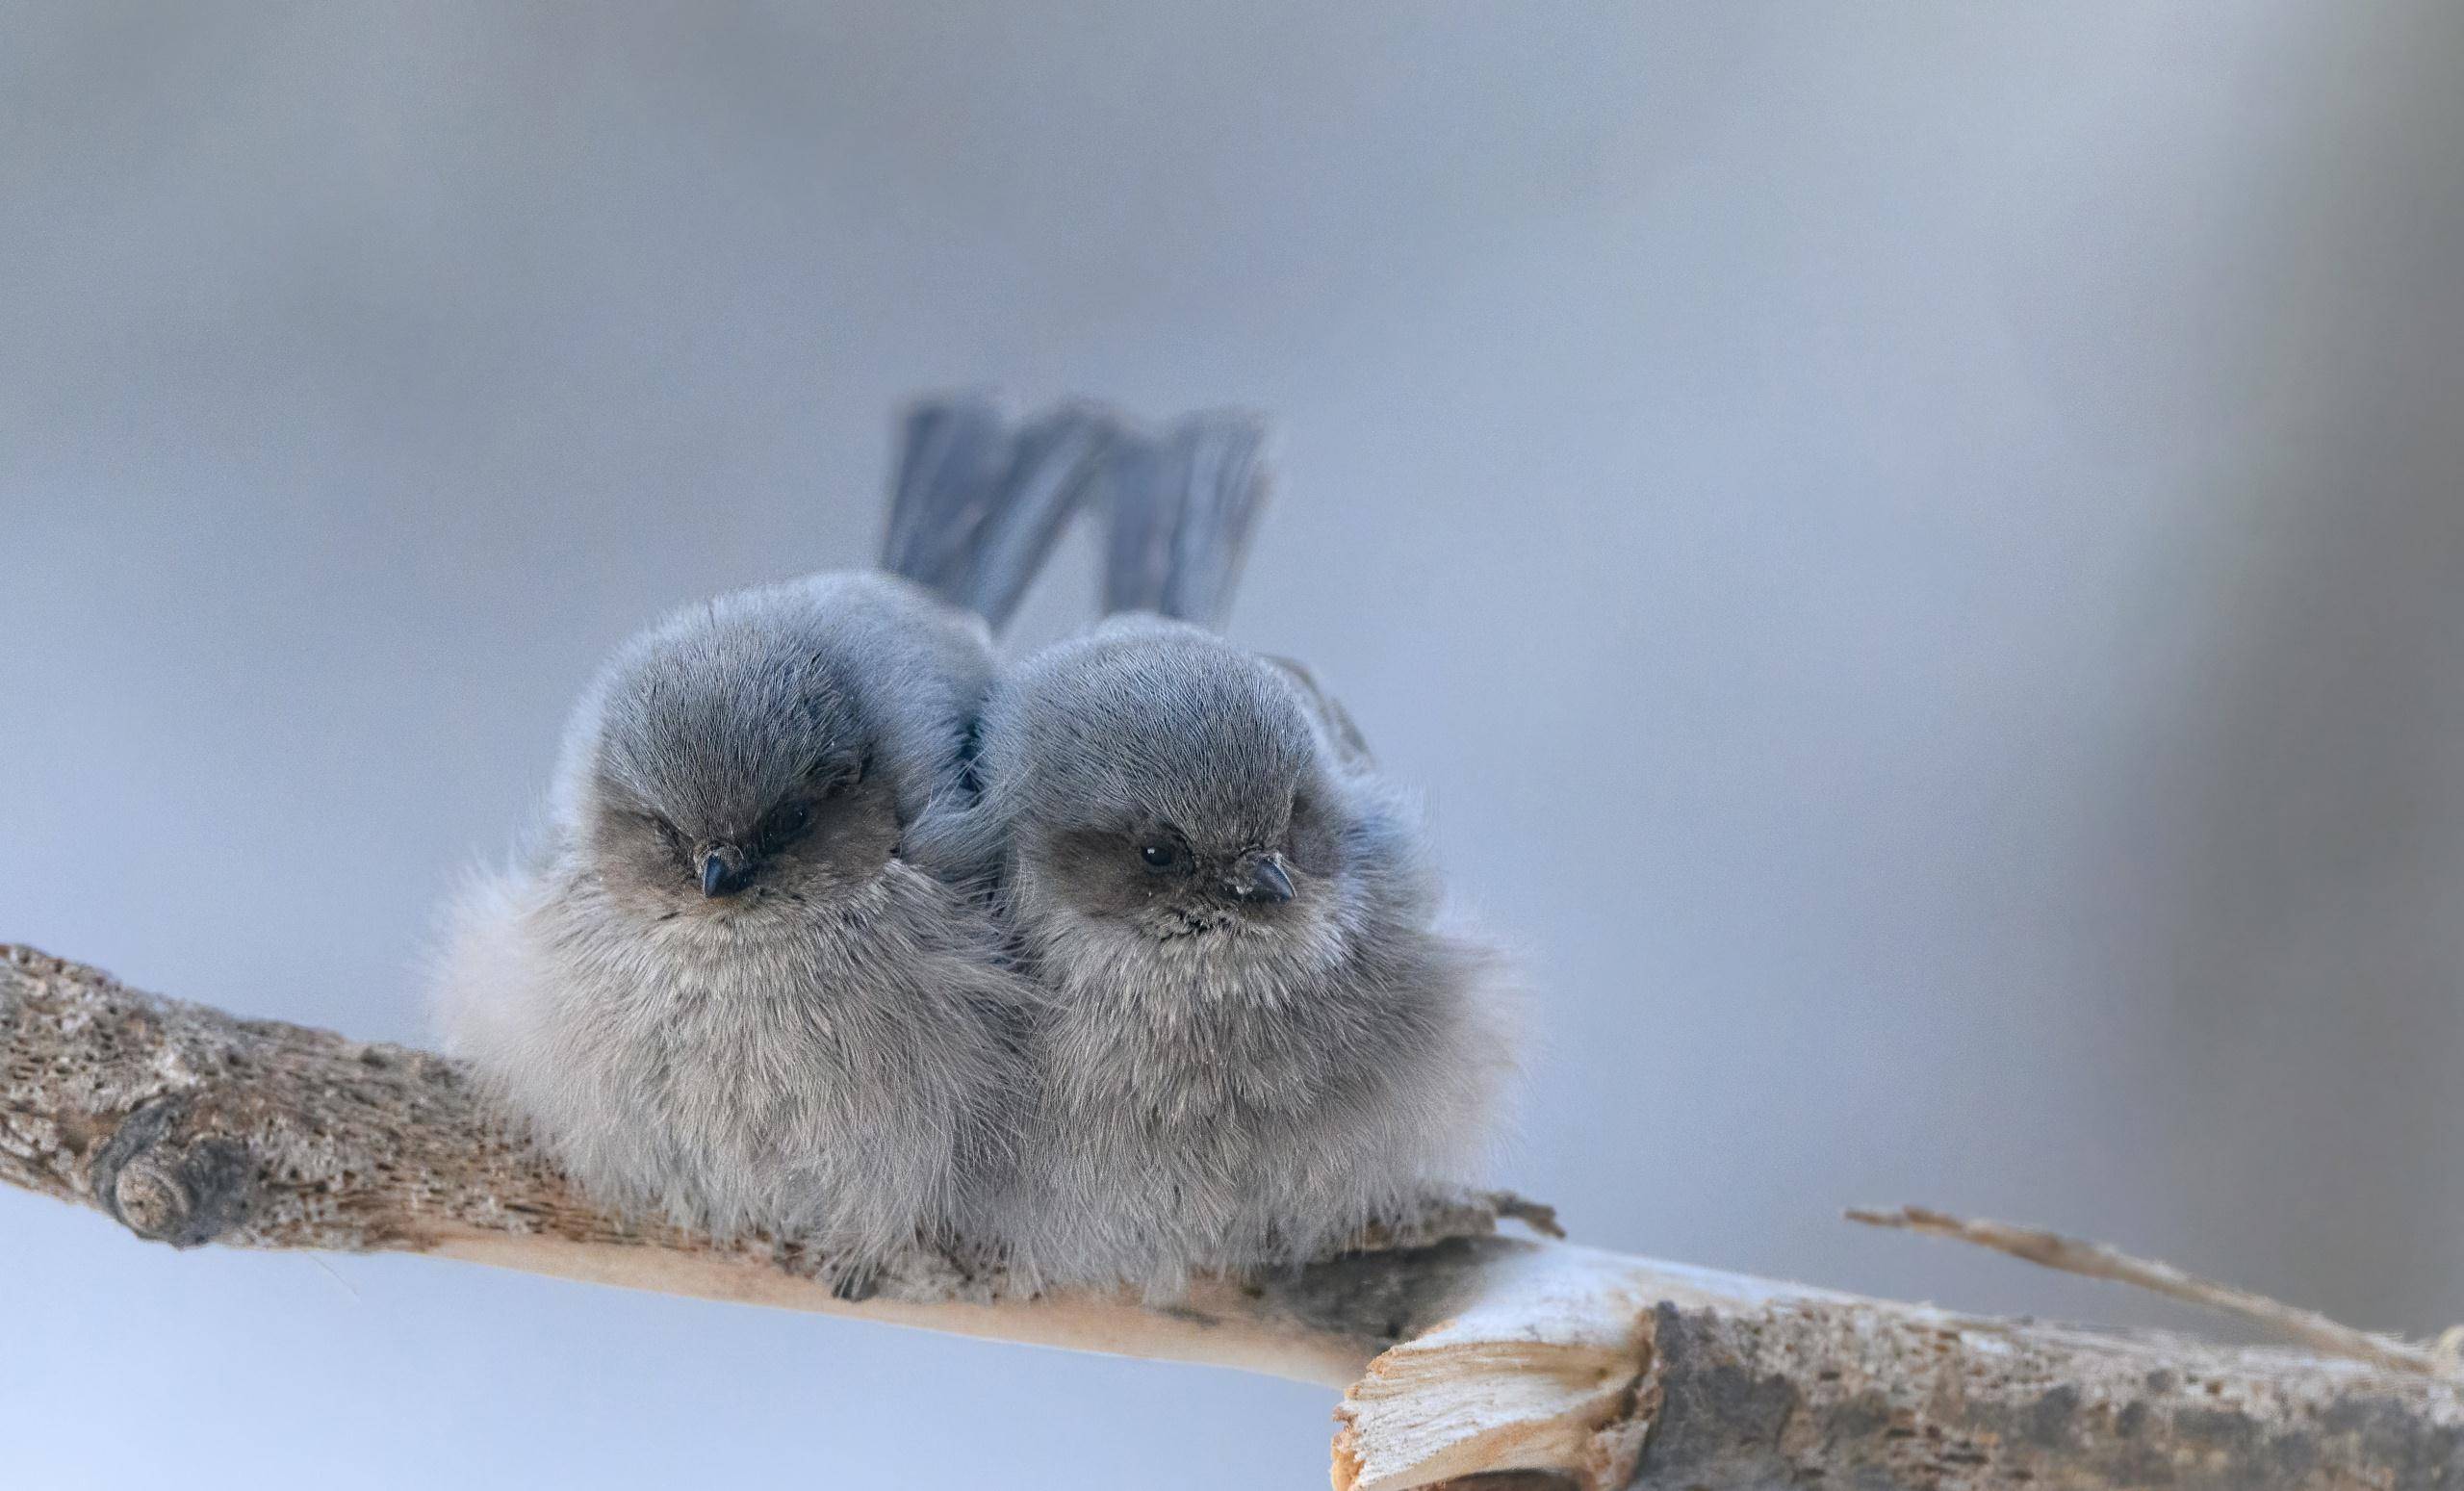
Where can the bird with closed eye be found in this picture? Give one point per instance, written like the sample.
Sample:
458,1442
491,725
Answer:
723,988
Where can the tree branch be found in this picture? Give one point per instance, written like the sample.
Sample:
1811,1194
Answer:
2095,1260
1465,1351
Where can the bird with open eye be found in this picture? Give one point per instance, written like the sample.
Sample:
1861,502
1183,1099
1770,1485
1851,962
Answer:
1256,1033
722,988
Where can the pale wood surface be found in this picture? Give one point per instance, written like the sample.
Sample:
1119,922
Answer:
1463,1351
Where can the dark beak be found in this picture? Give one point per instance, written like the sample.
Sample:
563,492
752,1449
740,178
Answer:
723,871
1266,881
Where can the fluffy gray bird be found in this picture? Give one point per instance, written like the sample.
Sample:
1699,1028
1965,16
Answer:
720,988
1255,1036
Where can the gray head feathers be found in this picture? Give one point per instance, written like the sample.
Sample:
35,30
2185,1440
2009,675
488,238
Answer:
724,704
1255,1036
1149,719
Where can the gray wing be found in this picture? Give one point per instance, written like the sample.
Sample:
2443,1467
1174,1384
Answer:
1181,512
1333,719
976,508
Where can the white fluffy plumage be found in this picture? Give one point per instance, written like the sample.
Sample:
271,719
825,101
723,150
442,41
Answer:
720,990
1256,1036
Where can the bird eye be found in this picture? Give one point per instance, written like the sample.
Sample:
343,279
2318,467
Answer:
784,826
1160,856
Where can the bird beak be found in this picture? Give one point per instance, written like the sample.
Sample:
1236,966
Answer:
1265,882
722,871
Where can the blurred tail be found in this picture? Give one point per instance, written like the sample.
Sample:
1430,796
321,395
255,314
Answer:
1182,511
950,452
975,508
1054,466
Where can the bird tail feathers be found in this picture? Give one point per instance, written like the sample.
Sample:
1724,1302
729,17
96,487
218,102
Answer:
977,507
1183,508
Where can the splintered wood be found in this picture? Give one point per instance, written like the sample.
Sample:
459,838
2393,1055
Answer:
1464,1352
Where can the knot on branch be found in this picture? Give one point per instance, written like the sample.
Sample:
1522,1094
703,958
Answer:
169,1187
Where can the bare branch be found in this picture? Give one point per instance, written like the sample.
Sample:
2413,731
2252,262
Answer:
2095,1260
1466,1353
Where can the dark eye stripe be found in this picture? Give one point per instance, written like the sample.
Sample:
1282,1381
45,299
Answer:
839,773
784,826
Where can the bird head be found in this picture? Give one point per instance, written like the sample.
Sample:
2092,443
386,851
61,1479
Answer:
1159,779
730,767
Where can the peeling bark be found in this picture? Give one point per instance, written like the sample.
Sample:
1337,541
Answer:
1466,1353
191,1126
1612,1371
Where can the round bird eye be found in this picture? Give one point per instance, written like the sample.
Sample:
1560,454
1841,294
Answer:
1160,856
785,827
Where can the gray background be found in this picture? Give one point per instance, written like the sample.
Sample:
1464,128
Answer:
1915,550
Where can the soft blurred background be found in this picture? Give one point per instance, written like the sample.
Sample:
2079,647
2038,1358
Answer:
1918,552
